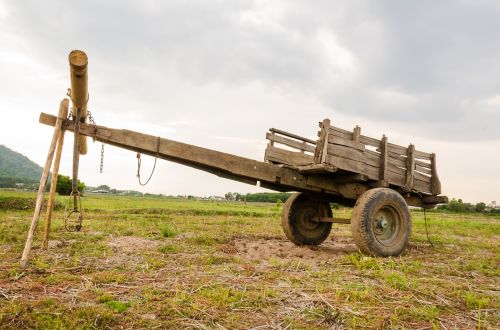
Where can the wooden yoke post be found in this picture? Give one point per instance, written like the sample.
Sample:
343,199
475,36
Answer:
53,182
43,181
79,91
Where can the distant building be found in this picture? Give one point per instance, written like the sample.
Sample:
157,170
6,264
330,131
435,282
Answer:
100,191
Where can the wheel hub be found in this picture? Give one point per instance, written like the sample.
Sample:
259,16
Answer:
385,225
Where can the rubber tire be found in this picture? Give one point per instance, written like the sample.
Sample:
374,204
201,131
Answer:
290,222
365,209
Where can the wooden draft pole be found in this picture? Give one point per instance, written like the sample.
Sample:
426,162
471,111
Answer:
53,182
43,181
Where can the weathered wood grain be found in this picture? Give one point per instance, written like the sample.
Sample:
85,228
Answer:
317,168
422,169
345,142
301,145
278,155
410,167
294,136
78,62
43,181
383,158
435,183
53,181
342,133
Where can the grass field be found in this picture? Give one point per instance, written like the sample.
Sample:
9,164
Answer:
163,263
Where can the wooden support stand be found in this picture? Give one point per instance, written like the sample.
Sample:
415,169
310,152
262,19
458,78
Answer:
53,182
63,108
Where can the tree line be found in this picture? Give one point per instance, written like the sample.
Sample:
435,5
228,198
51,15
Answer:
457,205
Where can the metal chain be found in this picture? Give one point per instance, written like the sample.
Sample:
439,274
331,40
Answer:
92,122
139,161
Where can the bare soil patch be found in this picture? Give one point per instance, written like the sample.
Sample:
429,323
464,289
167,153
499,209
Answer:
280,248
130,244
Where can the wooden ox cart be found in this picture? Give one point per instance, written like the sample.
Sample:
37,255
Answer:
379,179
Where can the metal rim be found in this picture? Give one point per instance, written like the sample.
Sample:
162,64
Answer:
388,225
307,219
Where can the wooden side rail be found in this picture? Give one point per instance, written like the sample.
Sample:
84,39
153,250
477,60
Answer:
381,161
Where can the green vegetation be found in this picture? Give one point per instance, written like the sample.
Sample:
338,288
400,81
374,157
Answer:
257,197
152,262
458,206
16,168
64,185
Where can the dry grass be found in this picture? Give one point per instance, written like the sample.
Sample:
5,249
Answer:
171,264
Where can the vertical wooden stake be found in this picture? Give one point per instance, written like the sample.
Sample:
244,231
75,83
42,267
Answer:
53,182
356,134
383,159
43,182
435,183
322,145
410,167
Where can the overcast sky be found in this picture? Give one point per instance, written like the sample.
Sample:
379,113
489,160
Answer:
220,73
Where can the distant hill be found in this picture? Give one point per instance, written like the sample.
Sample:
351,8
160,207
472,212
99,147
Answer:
17,168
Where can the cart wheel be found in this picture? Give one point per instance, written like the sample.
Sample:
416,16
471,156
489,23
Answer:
300,220
381,223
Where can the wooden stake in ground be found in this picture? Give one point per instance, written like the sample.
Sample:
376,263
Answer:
43,181
53,182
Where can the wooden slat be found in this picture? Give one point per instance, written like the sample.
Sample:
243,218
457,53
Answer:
397,149
397,161
345,142
369,141
395,169
353,166
422,155
372,158
424,170
278,131
397,156
423,164
340,133
288,157
422,177
291,143
422,186
317,168
345,152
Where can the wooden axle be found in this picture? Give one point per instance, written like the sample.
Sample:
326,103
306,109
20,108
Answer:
280,178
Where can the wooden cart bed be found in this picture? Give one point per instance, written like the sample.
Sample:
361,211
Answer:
352,155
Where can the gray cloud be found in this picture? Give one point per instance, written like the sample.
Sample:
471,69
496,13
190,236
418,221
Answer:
425,65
